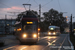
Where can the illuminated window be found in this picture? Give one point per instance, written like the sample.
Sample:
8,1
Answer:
29,22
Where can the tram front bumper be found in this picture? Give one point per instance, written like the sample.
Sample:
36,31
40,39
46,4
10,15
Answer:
28,39
52,34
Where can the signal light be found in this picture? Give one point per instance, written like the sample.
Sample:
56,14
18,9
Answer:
19,29
66,16
67,20
38,29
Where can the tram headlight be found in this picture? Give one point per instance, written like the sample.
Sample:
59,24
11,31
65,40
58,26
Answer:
24,35
34,35
54,33
38,33
49,33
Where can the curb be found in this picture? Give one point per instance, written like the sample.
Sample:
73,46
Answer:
70,43
1,43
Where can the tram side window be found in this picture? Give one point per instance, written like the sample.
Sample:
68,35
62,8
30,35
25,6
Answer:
24,27
57,29
15,29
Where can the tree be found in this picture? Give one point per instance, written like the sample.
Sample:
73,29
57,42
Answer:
32,12
53,17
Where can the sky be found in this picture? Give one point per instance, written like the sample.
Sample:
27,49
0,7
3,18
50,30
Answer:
7,6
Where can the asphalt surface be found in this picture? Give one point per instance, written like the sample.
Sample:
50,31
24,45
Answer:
44,43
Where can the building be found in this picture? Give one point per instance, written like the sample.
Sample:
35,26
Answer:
2,28
7,25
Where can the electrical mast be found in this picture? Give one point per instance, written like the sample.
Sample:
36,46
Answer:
39,11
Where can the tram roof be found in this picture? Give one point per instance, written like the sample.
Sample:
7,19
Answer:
28,16
54,27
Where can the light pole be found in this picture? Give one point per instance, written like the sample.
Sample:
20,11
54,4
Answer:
71,33
5,23
39,11
71,26
71,30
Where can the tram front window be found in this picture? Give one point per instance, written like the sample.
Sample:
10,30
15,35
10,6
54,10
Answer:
31,28
27,28
30,31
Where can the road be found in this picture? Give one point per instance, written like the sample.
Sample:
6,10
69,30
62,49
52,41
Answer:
44,43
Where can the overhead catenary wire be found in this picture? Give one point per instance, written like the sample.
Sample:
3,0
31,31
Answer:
4,4
24,7
8,6
46,4
36,2
28,1
59,5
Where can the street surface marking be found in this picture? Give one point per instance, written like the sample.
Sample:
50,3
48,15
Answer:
49,44
41,39
9,47
23,48
62,43
45,38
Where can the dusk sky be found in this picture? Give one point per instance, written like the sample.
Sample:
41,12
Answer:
16,6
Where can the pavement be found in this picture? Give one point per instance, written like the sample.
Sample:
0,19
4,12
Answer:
1,40
44,43
2,35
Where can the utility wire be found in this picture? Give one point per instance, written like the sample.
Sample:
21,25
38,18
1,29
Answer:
4,4
36,6
28,1
36,2
59,5
7,6
47,3
25,7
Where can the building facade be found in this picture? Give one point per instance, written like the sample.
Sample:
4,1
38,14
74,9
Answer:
6,25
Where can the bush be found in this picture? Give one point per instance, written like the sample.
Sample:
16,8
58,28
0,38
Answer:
72,38
1,44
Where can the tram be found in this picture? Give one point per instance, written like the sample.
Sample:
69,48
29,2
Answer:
53,30
27,29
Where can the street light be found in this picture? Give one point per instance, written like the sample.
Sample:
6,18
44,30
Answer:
7,24
66,16
71,25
